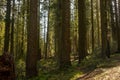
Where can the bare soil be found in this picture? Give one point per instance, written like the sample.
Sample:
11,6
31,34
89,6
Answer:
109,72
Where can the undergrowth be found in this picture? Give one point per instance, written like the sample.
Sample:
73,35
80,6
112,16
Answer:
49,71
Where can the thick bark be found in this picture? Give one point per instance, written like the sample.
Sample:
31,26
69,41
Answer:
82,30
63,33
103,11
32,40
66,33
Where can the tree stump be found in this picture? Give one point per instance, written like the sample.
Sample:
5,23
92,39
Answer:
7,71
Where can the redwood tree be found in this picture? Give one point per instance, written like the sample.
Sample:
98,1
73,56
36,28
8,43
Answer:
103,11
63,33
32,40
82,30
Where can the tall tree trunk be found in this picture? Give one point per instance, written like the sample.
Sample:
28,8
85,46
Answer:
92,23
56,13
23,30
117,25
66,33
45,27
82,30
12,38
63,33
48,29
12,30
112,15
98,21
103,11
119,12
32,40
7,26
39,48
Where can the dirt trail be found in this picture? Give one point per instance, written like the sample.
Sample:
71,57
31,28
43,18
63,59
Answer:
110,72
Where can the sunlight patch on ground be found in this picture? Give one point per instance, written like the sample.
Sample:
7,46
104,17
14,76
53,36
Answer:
76,76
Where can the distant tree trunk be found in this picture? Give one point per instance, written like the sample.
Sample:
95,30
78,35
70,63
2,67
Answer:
103,11
45,42
117,25
63,33
17,43
92,22
7,26
12,39
12,30
48,29
56,13
23,31
112,15
98,21
39,48
82,30
119,11
32,40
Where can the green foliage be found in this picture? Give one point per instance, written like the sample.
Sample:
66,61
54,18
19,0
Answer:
20,69
48,71
48,68
2,10
69,74
94,61
91,61
1,35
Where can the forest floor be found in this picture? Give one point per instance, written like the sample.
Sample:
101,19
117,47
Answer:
109,71
91,68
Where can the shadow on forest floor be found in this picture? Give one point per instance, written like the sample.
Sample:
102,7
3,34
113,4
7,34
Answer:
105,70
89,68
